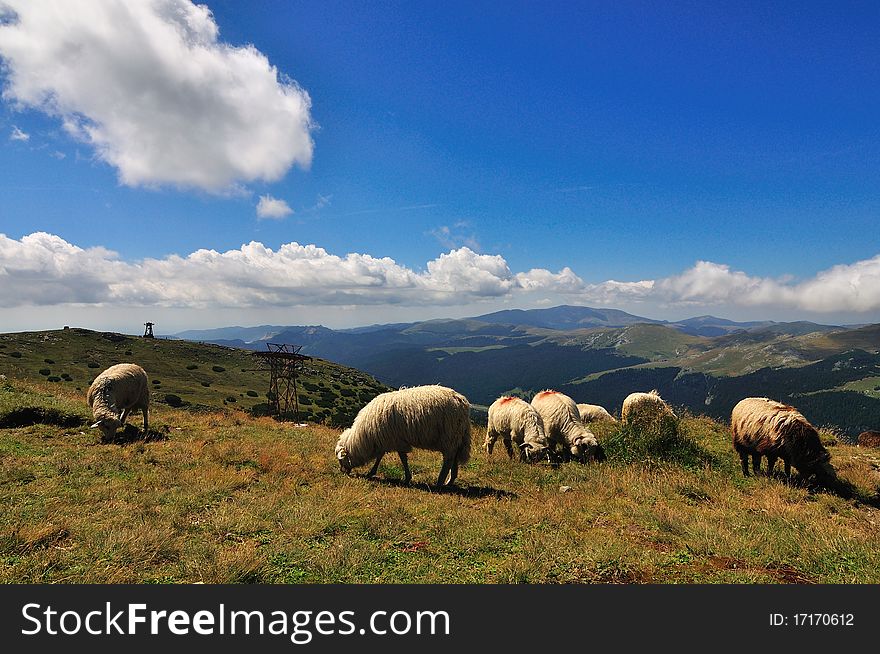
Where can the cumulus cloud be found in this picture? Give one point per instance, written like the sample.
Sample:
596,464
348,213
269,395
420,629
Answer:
152,88
273,208
18,135
43,269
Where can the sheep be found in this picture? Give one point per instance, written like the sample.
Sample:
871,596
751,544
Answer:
869,439
562,425
428,417
593,413
113,395
516,421
763,427
644,409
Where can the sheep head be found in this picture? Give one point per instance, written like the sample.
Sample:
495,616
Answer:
342,454
533,452
108,427
585,448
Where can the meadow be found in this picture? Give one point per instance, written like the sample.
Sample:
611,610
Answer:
219,496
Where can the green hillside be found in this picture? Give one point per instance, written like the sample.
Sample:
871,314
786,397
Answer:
221,497
182,373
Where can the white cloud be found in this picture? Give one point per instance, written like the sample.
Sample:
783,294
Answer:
153,90
18,135
273,208
455,236
42,270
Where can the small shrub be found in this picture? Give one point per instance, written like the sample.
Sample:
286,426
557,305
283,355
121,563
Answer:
128,353
49,361
206,384
53,378
661,441
253,394
231,399
347,392
173,400
156,382
192,366
66,376
218,368
15,355
92,364
45,372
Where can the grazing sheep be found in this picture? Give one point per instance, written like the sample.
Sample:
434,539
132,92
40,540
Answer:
515,421
869,439
562,425
762,427
113,395
594,413
644,409
428,417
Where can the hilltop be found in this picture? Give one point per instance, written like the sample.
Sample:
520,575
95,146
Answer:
182,373
222,497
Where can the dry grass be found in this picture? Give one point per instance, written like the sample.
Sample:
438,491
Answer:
223,498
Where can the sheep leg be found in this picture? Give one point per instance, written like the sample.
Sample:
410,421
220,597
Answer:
375,468
453,473
407,475
508,445
444,471
146,420
124,416
744,459
489,443
756,463
787,467
771,461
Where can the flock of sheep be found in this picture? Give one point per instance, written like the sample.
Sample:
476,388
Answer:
551,427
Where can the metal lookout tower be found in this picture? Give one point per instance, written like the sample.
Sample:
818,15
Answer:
284,363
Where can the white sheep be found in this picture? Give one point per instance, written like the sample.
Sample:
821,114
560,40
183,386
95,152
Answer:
515,421
764,427
562,425
428,417
593,413
645,409
113,395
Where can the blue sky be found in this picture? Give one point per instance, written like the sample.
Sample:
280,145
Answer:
542,150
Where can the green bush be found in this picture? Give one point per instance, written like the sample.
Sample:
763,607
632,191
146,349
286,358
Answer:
128,353
206,384
92,364
49,361
156,382
253,394
66,376
231,399
53,378
657,442
192,366
45,372
218,368
15,355
173,400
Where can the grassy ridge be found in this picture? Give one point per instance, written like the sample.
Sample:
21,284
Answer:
230,498
182,373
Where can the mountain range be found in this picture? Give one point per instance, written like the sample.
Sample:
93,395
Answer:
704,364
